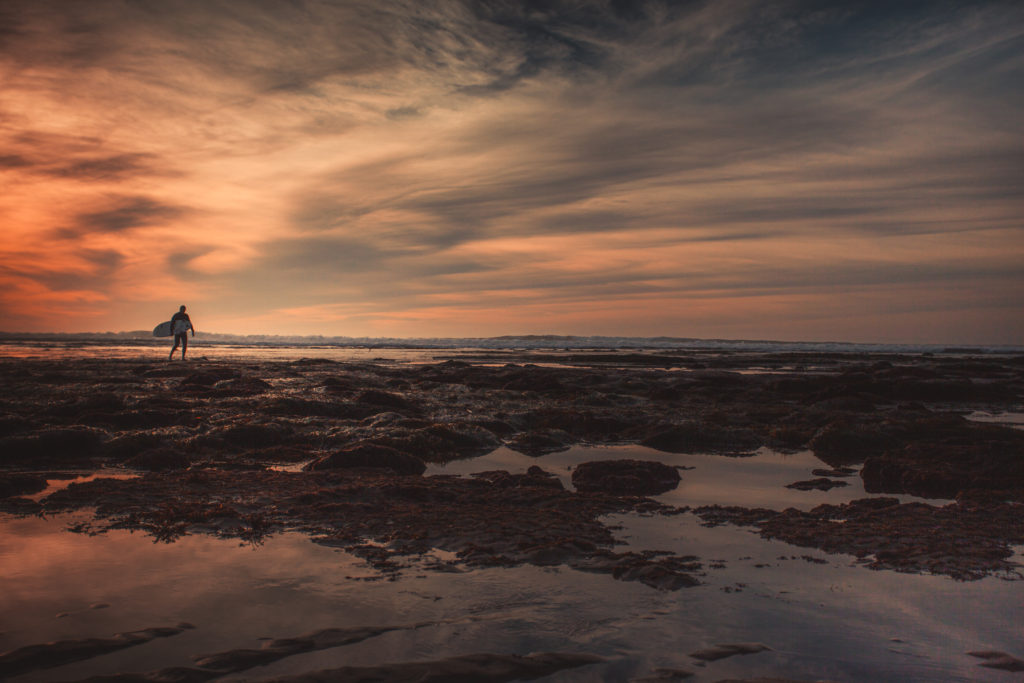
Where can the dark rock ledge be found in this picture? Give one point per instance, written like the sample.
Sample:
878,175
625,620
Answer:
965,540
495,519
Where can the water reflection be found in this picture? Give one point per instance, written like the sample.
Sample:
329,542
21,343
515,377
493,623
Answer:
757,480
823,617
1015,420
67,479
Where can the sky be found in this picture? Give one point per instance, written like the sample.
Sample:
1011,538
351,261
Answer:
425,168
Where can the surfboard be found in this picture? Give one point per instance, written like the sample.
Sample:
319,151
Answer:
169,328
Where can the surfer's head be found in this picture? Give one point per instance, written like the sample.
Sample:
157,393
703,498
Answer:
182,309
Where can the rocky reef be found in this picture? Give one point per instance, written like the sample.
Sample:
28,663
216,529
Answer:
356,438
340,452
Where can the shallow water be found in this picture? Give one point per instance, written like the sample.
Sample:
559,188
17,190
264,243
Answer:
758,479
144,352
198,351
823,618
1008,419
56,484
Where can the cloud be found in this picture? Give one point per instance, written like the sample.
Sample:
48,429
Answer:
403,112
415,156
13,161
109,168
126,213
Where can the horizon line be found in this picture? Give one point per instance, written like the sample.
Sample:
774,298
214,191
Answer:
143,334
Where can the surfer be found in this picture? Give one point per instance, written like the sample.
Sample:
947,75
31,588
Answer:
180,325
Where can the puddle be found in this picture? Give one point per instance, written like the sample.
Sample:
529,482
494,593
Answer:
828,620
757,480
54,485
289,467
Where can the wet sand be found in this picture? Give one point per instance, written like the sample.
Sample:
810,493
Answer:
340,451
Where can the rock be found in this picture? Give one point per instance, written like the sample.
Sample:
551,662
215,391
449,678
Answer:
537,444
251,435
721,651
241,386
391,419
338,384
208,377
74,445
384,399
21,484
580,424
835,472
441,442
664,676
61,652
656,576
499,427
233,661
844,441
853,404
129,445
294,406
135,419
995,659
625,477
13,424
703,437
789,437
369,455
982,458
160,459
816,485
100,402
534,476
966,541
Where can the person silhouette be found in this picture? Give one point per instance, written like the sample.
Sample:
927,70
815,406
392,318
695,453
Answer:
180,325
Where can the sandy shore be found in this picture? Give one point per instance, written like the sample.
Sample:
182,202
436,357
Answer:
338,450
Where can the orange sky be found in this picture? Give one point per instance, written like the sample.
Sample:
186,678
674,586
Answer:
420,169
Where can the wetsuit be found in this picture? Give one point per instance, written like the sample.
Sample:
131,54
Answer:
181,337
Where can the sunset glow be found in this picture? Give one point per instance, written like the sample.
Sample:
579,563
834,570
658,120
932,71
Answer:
414,169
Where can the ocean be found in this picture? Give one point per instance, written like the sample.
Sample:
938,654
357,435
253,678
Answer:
268,347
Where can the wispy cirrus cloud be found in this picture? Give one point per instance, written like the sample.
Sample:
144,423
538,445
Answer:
461,168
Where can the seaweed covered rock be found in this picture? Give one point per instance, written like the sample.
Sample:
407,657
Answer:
847,441
991,459
440,442
698,437
21,484
241,386
534,476
72,445
585,424
244,435
820,484
207,377
384,399
625,477
369,455
160,459
536,444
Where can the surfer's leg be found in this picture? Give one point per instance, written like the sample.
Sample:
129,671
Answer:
184,345
173,348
